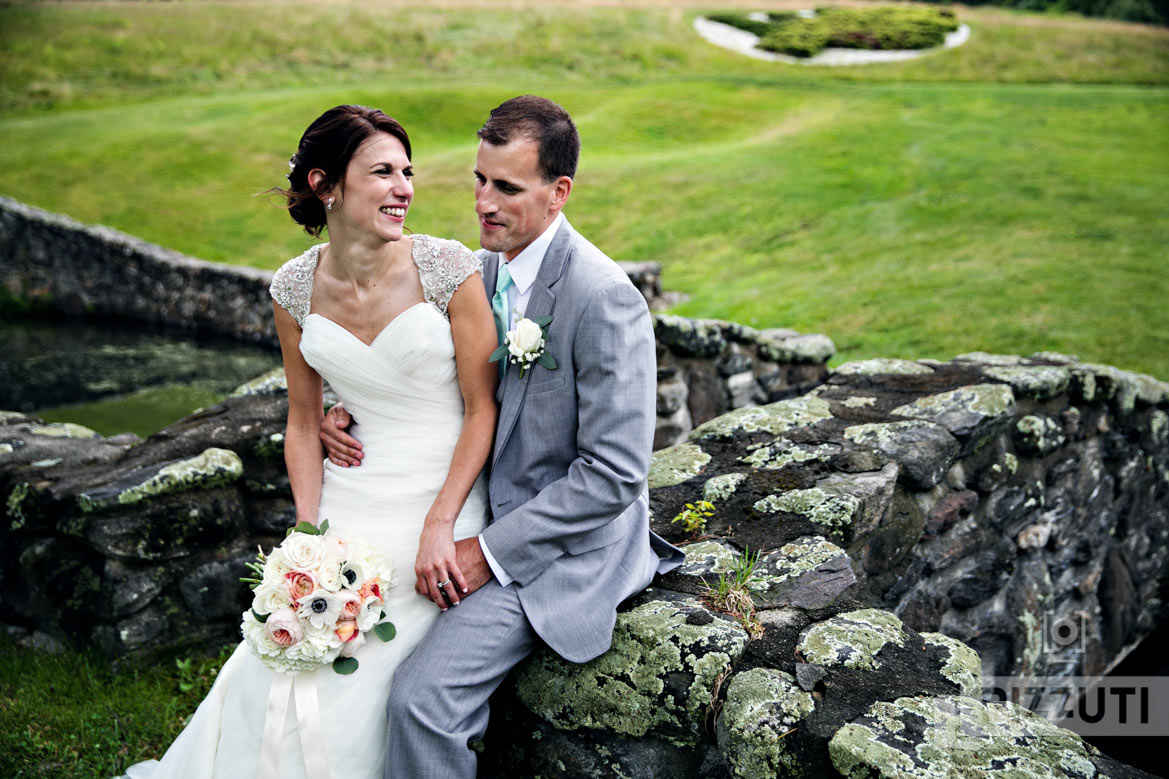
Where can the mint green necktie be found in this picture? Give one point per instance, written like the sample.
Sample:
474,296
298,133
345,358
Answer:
503,283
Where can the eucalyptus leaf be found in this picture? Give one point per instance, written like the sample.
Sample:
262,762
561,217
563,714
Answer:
385,631
324,527
261,618
345,665
547,360
542,321
498,354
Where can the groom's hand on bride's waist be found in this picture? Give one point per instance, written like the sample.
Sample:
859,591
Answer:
469,556
341,448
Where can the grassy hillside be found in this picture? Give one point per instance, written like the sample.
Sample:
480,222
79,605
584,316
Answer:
1006,195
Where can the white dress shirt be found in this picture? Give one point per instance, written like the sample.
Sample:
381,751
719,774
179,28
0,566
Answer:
524,268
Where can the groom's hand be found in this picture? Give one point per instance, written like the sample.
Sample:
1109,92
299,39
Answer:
340,447
476,571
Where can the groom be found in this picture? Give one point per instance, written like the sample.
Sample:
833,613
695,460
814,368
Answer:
569,537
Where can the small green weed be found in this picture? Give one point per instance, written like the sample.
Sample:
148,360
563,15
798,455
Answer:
694,516
732,594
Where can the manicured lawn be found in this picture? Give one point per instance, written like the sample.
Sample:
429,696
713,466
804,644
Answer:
1006,195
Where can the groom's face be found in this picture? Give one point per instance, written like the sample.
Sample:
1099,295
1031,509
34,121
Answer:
514,203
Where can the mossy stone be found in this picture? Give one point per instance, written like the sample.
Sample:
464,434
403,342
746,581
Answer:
676,464
852,639
763,706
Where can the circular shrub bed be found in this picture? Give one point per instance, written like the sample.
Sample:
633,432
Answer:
883,28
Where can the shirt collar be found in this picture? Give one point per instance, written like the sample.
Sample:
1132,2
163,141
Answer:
526,265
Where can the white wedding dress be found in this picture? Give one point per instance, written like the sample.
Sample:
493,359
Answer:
404,395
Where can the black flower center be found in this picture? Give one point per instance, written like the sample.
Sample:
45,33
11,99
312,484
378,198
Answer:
320,605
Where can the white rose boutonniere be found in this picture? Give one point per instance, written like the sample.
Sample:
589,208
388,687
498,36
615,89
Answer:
525,344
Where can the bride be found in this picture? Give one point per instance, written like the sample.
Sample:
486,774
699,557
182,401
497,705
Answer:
402,330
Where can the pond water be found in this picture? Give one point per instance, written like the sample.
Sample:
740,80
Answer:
117,378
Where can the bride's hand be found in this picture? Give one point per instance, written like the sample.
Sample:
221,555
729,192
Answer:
436,564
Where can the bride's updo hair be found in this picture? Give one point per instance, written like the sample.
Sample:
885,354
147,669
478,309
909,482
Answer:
329,143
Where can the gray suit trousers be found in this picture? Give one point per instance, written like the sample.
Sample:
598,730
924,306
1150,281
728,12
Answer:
438,699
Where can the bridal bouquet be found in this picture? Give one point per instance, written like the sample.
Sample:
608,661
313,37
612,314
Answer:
316,596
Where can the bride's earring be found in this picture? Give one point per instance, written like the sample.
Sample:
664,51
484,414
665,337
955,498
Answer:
329,203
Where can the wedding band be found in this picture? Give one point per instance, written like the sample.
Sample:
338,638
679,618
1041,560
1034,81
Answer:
440,585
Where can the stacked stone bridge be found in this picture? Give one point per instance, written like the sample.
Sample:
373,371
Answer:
913,527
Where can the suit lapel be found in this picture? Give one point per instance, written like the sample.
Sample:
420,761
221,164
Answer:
541,303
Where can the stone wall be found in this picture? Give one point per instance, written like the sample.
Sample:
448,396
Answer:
917,526
51,262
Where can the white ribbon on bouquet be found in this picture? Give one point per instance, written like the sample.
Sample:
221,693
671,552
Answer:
310,727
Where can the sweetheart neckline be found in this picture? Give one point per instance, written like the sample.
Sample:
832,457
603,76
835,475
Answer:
381,332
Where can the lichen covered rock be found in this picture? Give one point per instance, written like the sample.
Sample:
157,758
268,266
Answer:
970,413
212,468
781,452
809,573
271,383
689,336
1038,381
762,707
964,668
924,450
62,430
956,736
1038,434
775,418
881,366
676,464
832,510
812,348
852,639
658,677
722,487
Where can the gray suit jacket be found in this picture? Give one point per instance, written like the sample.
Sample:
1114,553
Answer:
569,502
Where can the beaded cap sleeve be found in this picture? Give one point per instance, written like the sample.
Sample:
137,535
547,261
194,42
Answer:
443,265
292,285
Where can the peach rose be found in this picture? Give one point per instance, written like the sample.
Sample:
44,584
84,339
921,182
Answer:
284,628
300,584
370,587
347,630
352,606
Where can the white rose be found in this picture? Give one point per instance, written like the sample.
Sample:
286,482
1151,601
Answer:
335,546
270,597
329,576
303,552
526,337
275,567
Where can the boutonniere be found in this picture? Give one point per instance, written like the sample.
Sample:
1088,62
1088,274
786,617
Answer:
525,344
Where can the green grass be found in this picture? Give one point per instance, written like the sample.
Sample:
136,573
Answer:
1007,195
70,715
144,412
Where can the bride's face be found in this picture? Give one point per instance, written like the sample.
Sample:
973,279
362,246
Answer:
377,191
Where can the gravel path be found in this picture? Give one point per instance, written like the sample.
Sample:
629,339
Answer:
744,42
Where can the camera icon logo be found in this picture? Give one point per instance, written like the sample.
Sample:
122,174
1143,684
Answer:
1064,633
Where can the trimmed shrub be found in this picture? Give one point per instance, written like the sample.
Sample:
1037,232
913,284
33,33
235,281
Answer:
884,28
